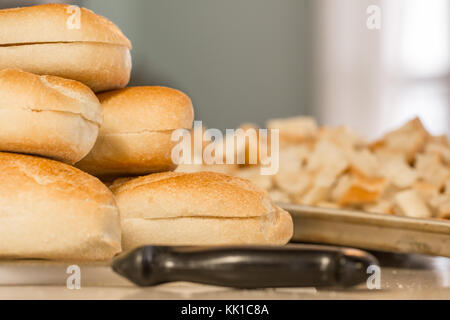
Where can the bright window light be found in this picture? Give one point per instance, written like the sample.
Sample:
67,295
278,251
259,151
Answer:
425,37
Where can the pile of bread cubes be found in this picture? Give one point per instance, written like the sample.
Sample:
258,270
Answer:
69,127
406,172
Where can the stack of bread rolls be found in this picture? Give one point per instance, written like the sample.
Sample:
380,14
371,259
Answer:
67,123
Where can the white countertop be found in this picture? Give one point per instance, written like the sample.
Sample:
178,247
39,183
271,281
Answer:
402,277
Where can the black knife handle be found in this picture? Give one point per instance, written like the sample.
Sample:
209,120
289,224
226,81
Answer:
246,267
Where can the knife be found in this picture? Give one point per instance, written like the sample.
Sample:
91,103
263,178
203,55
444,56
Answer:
296,265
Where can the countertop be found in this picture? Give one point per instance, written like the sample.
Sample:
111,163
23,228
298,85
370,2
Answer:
402,277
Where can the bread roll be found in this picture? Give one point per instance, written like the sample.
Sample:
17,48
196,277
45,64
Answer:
202,208
65,41
135,138
50,210
47,116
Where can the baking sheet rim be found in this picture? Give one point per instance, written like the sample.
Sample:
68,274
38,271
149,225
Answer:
367,218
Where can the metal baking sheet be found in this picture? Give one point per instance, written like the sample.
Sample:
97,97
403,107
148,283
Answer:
369,230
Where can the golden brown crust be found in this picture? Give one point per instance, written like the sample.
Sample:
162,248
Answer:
58,135
68,182
154,108
135,137
100,66
51,23
200,194
46,115
125,154
54,211
20,89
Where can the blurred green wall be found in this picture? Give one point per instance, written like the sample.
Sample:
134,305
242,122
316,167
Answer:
239,60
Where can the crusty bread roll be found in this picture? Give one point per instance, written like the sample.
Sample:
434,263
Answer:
47,116
50,210
203,208
65,41
135,138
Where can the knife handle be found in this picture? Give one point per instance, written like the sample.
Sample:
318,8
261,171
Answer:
246,267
